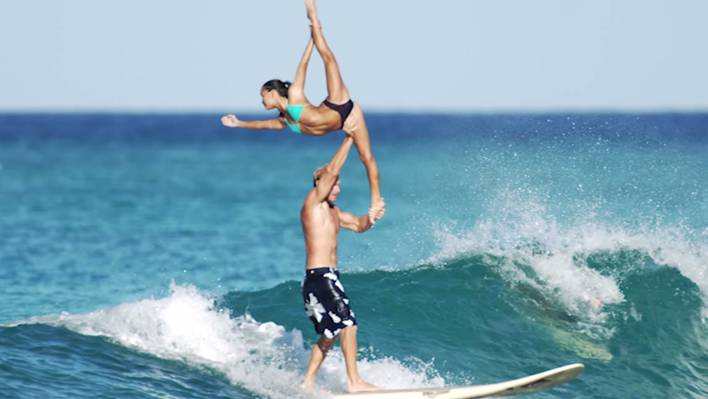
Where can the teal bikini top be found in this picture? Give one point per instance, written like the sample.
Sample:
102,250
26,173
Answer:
295,112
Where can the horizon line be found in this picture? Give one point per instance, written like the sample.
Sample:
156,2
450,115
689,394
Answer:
401,111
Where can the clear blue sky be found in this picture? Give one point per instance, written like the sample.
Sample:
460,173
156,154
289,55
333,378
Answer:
159,55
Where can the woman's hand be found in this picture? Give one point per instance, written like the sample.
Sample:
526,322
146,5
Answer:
230,121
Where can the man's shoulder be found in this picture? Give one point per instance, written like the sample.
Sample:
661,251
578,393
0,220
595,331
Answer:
311,203
310,198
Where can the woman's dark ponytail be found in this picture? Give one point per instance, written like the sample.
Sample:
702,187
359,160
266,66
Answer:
280,86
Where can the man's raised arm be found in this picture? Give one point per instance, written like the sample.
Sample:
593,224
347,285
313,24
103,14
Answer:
360,224
330,174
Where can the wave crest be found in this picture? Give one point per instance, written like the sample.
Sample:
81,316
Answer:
580,265
261,357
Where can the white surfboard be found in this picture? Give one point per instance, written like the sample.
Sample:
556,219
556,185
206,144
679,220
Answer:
532,383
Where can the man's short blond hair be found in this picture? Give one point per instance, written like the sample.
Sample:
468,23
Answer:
317,174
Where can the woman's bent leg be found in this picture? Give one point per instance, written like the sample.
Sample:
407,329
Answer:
363,146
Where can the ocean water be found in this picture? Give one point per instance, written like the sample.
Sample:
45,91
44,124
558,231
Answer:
160,256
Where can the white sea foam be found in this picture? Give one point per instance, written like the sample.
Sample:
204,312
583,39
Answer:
261,357
520,231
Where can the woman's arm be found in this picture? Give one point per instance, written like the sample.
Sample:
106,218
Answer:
301,72
272,124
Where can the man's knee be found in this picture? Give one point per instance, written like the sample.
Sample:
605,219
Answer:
325,344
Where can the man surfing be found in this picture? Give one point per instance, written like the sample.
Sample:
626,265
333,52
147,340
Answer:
326,303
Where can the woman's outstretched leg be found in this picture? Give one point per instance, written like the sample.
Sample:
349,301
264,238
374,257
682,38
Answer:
337,92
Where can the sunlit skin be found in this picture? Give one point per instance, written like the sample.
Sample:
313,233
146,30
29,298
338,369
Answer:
321,221
318,120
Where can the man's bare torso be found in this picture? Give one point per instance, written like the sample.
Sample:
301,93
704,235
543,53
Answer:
320,225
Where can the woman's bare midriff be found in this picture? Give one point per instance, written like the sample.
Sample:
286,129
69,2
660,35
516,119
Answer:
319,120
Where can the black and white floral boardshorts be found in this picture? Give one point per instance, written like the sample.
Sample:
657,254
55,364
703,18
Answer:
325,301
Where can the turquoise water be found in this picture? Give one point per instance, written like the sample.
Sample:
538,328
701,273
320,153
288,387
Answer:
160,256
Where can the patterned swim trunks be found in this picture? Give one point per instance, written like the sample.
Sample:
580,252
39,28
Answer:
325,301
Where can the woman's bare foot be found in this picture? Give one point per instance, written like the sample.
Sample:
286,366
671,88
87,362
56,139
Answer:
362,386
377,210
311,11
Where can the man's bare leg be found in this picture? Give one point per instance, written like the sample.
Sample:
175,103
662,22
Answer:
319,352
349,348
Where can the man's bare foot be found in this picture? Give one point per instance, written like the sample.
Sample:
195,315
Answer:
308,386
315,392
362,386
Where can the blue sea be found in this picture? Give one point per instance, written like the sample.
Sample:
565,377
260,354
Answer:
160,256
